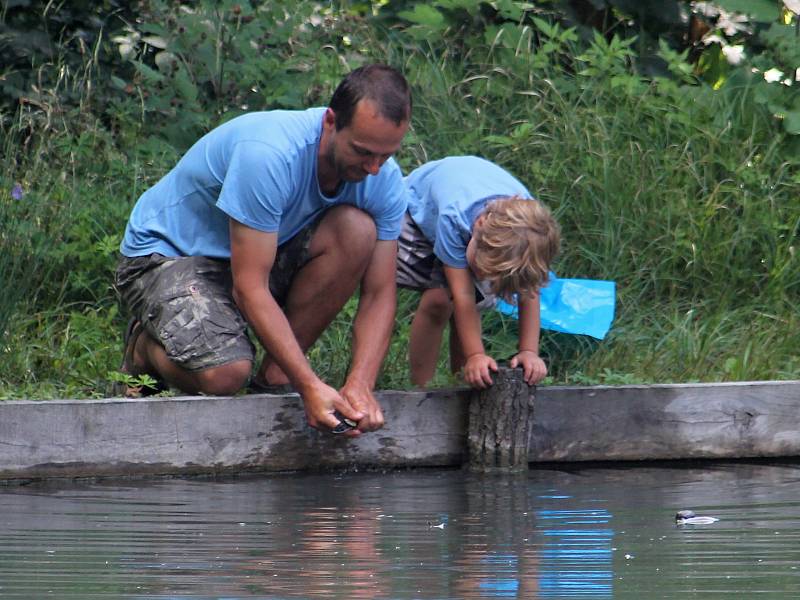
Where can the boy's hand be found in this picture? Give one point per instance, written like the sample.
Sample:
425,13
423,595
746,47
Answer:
476,370
533,367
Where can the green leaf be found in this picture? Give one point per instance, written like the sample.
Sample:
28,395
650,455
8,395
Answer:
664,11
512,10
154,28
118,83
776,108
521,131
185,86
149,75
508,35
764,11
155,41
499,140
765,92
791,122
423,15
470,6
546,28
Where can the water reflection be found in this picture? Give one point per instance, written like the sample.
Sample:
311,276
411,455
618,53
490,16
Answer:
587,533
576,561
527,553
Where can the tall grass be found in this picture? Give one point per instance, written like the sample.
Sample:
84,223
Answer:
684,196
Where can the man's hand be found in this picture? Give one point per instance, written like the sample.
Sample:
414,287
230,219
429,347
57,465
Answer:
477,370
363,402
320,401
533,367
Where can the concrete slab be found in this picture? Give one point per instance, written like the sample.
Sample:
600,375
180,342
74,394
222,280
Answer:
212,435
664,422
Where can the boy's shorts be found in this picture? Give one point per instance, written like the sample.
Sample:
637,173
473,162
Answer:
419,269
187,302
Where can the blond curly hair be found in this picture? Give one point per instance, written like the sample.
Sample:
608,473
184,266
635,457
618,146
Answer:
516,239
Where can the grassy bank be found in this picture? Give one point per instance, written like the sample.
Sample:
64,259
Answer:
685,196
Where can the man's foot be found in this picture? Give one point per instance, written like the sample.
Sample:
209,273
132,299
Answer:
258,387
132,333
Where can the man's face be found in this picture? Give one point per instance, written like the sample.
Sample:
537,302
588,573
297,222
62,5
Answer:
361,148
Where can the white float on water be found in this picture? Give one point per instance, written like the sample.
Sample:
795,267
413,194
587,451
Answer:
688,517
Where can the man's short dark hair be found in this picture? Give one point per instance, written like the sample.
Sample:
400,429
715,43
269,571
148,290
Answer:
382,84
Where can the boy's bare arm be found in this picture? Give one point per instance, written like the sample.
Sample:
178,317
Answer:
529,323
533,367
468,323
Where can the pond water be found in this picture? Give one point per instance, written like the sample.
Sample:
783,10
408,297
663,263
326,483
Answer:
569,532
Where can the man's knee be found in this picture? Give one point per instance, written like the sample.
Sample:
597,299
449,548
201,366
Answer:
349,228
224,380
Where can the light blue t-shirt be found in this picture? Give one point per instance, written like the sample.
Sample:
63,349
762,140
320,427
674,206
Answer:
447,196
259,169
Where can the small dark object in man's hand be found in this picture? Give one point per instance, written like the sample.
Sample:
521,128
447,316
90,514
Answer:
345,424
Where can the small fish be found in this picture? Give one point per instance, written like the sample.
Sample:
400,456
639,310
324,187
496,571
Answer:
439,526
688,517
345,424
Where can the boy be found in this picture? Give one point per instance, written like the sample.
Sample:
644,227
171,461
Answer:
472,232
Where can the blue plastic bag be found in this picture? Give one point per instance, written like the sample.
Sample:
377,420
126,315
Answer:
578,306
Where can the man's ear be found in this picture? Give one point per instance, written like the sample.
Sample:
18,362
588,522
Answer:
330,117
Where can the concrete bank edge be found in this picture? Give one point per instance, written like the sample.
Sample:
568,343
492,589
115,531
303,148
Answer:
214,435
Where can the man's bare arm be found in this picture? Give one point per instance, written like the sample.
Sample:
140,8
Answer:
372,331
252,257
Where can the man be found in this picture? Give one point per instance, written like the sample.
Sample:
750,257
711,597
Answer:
271,221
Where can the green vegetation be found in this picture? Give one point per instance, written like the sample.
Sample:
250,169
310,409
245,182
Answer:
671,170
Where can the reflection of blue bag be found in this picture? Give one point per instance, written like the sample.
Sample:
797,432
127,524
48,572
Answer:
583,306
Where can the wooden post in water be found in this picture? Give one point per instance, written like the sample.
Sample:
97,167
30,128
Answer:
500,420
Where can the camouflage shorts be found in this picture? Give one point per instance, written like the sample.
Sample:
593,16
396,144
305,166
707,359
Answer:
187,302
419,269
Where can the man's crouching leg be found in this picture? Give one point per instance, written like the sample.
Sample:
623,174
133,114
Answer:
193,335
338,254
224,380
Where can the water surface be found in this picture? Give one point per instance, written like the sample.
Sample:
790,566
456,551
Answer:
578,532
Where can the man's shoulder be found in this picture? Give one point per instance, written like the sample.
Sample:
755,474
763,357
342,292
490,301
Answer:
257,117
282,129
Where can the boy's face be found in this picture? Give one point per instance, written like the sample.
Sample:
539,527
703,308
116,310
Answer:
472,249
471,257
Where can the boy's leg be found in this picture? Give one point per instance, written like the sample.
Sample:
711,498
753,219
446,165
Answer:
418,269
425,339
457,358
339,252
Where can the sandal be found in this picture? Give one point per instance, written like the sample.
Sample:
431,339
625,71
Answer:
257,387
132,333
